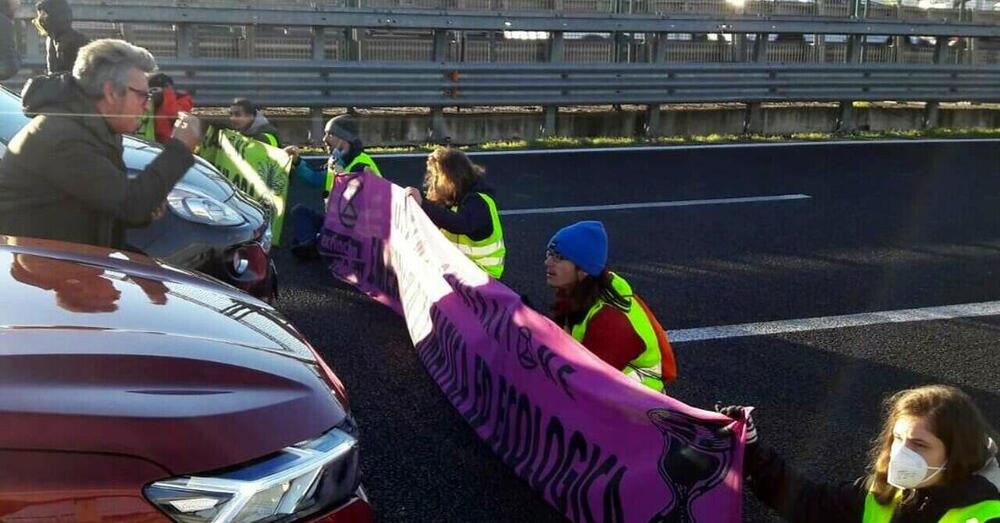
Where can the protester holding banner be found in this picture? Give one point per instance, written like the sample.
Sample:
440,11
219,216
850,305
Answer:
579,433
934,460
347,155
600,310
247,119
463,206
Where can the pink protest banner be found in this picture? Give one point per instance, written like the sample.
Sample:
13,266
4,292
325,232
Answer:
597,446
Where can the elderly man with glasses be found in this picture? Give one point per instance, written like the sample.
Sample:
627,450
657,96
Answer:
63,177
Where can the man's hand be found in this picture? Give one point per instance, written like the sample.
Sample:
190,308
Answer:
187,129
292,151
159,212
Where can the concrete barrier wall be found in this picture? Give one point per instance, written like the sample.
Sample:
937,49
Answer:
469,128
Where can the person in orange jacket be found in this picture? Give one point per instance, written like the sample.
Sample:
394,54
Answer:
167,102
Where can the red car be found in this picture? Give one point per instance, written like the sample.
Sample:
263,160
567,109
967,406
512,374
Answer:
134,391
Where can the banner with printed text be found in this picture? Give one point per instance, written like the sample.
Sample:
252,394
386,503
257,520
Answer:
256,168
597,446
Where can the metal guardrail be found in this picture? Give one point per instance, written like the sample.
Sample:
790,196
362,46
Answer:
397,84
965,11
327,58
461,20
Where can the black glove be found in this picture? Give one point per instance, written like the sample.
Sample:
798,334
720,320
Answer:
738,412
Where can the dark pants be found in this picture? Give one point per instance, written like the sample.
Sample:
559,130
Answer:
306,224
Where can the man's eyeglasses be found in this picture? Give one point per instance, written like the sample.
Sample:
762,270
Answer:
146,95
551,253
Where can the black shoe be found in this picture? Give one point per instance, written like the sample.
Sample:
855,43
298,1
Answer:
305,251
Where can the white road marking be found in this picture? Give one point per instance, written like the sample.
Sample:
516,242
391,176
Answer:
770,328
647,205
683,147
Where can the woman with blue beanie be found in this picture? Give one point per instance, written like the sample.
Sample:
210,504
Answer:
598,308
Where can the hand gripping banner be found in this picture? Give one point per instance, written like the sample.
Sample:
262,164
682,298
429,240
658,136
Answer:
258,169
597,446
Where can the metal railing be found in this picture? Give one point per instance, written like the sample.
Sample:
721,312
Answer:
639,16
969,11
396,84
308,54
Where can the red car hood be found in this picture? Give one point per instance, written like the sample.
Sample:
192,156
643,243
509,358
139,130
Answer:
111,352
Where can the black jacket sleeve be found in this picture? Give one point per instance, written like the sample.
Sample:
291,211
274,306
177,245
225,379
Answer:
797,498
103,186
69,48
10,62
472,219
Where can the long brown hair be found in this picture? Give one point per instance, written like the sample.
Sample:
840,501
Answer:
450,175
952,416
573,307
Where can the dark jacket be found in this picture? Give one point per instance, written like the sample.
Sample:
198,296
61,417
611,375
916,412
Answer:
799,499
262,130
63,176
64,42
10,61
472,218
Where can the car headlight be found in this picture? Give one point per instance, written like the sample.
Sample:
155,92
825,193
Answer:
286,486
267,239
192,205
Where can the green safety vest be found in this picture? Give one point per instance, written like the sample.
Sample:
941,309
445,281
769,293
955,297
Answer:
360,159
647,368
488,254
978,513
270,139
146,126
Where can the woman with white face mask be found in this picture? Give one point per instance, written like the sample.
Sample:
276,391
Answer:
934,461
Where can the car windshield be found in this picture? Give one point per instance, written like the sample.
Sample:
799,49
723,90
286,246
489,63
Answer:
13,119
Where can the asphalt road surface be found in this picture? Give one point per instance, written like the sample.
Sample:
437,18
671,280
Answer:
865,228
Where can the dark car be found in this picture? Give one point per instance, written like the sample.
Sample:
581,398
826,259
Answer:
134,391
212,227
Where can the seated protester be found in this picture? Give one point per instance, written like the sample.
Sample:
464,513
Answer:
934,460
600,310
347,155
461,204
166,103
248,120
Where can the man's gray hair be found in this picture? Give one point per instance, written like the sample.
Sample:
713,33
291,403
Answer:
109,60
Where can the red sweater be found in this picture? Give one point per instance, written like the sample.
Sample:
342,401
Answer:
609,336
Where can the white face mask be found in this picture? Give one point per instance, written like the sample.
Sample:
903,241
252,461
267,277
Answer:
907,468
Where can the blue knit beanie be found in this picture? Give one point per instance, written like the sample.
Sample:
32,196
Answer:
583,243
